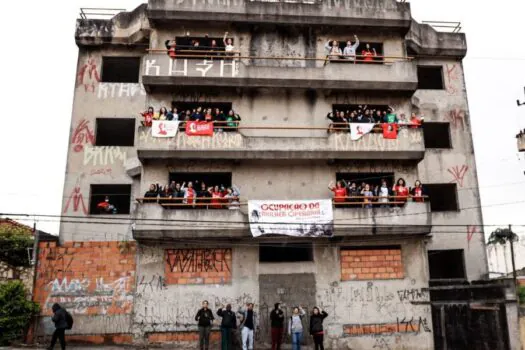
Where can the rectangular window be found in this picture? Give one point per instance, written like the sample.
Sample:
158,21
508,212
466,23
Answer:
115,132
182,107
292,252
372,179
446,264
437,135
120,69
372,262
118,199
443,197
198,179
430,77
364,54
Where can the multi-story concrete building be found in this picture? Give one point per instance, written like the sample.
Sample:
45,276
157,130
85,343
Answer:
139,275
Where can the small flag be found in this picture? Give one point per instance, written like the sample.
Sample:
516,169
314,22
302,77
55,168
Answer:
358,130
164,128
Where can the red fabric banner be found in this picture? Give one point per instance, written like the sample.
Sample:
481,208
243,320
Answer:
194,128
390,131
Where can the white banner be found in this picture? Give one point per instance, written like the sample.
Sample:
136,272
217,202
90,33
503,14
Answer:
302,218
358,130
164,128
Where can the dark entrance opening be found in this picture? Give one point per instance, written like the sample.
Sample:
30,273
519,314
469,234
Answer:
119,196
286,253
446,264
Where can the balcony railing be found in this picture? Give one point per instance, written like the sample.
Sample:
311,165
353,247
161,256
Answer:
269,142
231,69
408,216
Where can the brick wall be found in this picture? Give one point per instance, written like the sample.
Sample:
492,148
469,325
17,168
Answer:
171,337
368,264
376,329
90,278
198,266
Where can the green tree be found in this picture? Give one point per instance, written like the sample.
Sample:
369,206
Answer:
14,242
15,312
502,236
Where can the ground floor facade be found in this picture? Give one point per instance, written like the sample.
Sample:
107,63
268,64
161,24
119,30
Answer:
376,293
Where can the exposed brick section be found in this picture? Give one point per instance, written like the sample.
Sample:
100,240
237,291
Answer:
368,264
106,339
89,278
356,330
172,337
198,266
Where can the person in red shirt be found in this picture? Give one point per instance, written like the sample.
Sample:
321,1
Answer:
171,46
216,197
415,121
368,56
339,191
148,117
400,190
418,192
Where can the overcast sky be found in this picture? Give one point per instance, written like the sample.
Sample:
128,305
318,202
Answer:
39,60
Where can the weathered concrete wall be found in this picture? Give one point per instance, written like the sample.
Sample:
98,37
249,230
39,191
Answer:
23,274
161,306
455,165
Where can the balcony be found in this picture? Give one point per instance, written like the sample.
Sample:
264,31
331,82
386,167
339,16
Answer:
388,15
409,145
155,222
160,71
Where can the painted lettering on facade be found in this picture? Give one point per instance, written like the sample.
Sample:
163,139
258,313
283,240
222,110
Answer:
119,90
82,135
198,266
166,66
224,140
104,155
376,142
401,326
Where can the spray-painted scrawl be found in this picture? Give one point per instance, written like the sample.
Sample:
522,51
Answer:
165,66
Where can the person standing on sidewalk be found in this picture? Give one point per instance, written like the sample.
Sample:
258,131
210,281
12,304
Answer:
204,317
295,327
60,320
249,324
229,322
316,327
277,319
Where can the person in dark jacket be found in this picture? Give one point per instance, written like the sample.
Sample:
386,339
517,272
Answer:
316,327
277,319
205,318
152,194
60,321
229,322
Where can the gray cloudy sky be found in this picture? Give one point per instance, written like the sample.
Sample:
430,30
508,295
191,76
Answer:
39,60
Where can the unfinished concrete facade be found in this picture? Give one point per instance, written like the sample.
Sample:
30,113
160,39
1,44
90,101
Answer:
279,78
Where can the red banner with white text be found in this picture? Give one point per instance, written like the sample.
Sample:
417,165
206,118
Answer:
194,128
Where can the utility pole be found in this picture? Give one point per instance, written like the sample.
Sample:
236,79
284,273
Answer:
512,256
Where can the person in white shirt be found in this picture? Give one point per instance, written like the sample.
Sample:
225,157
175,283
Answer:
333,49
228,43
350,50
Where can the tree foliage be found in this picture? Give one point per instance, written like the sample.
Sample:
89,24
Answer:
14,242
15,312
502,236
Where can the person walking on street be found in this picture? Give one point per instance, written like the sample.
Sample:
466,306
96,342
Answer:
61,324
229,322
249,324
316,327
204,317
295,327
277,319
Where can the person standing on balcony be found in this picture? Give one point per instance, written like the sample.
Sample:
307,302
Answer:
151,194
232,120
228,44
401,190
163,113
148,117
415,121
232,197
220,120
333,50
383,192
367,194
350,49
189,193
171,46
203,196
368,55
216,197
204,318
390,116
418,192
339,191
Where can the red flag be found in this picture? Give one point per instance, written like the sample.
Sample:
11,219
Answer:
194,128
390,131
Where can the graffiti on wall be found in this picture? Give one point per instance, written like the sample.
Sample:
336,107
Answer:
104,155
93,278
82,135
198,266
75,200
413,294
457,117
458,174
471,231
412,325
453,79
224,140
88,75
376,142
166,66
119,90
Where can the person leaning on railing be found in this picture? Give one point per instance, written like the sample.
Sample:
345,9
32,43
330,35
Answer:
232,120
401,191
418,192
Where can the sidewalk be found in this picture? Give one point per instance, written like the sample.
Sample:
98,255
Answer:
73,347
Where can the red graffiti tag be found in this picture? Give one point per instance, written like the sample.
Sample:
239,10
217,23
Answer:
471,230
82,135
78,200
458,174
88,75
453,77
457,118
102,171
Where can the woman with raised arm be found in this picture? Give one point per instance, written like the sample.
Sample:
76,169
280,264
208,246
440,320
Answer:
295,327
316,327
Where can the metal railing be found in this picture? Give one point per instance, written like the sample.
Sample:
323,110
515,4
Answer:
444,26
98,12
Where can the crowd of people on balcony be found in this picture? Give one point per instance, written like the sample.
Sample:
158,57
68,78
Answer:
350,52
207,47
367,195
222,121
363,114
199,196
